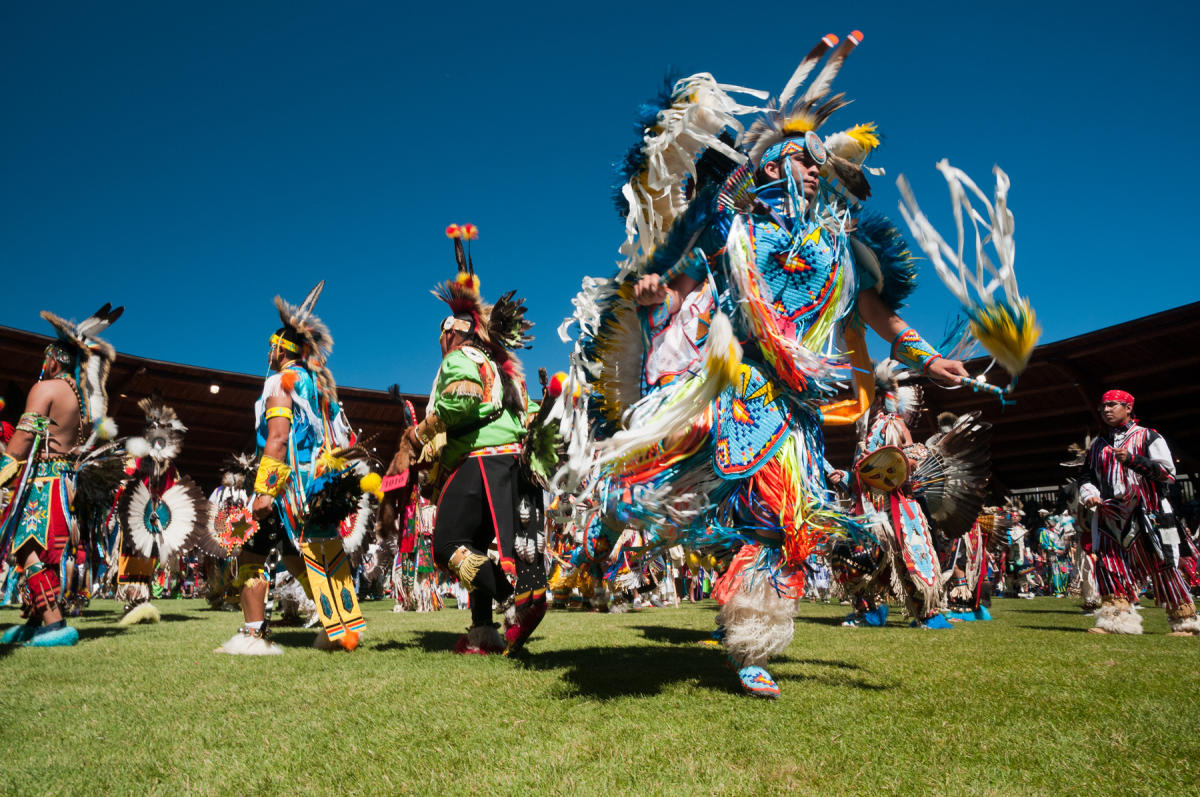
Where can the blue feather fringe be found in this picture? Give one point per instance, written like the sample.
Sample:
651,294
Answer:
896,261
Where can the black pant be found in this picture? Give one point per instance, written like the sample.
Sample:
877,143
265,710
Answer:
478,507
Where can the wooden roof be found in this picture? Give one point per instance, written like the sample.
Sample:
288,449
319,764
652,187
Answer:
1057,398
219,423
1155,358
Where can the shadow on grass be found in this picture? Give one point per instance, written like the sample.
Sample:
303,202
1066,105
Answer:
294,638
179,618
606,673
838,621
841,665
428,641
671,635
101,632
1055,628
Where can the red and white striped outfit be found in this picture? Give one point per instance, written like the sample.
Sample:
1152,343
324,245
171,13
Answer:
1135,511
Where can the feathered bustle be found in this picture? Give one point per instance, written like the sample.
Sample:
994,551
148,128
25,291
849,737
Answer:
953,478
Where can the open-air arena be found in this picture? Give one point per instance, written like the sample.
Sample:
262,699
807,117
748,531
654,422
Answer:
627,704
673,398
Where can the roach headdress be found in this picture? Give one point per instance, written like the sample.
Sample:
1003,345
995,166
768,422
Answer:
501,328
163,438
790,123
307,338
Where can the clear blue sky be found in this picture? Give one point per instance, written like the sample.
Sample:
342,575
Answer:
191,160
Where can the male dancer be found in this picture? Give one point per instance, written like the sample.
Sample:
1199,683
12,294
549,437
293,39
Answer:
473,427
64,417
1134,533
307,483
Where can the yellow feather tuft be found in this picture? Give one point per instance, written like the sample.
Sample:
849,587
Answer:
1008,334
865,135
800,123
468,281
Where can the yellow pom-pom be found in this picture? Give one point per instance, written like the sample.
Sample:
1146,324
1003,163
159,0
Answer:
370,483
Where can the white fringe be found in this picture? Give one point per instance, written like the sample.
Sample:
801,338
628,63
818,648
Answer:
758,623
1186,624
664,412
1118,621
484,637
142,613
244,645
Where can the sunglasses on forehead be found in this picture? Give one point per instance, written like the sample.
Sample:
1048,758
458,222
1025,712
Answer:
452,324
810,145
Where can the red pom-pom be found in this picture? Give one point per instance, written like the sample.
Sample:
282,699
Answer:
288,380
469,232
554,388
453,231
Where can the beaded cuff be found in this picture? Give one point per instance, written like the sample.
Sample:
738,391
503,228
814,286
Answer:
272,477
912,351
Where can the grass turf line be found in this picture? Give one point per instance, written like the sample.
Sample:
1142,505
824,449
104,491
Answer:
633,703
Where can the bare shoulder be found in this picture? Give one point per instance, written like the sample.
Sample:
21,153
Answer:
51,393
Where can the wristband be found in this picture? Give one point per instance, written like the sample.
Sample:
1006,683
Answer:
910,350
272,477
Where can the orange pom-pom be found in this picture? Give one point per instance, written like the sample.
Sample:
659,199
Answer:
469,232
288,380
453,231
349,640
554,387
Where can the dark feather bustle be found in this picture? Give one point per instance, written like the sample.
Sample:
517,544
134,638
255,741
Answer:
953,478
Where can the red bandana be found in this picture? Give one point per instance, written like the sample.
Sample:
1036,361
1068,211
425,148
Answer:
1117,395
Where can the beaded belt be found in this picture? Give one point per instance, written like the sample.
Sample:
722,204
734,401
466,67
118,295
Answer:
52,469
507,448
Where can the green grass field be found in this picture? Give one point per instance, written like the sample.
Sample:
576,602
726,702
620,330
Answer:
614,704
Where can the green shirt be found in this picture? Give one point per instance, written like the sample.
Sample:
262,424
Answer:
468,391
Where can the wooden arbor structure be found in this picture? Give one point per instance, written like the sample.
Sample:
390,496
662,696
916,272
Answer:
1154,358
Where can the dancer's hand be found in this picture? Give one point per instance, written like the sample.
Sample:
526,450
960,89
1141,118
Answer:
1092,502
649,290
947,372
1122,455
262,506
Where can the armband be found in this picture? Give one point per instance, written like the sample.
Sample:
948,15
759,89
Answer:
33,423
910,350
272,477
278,412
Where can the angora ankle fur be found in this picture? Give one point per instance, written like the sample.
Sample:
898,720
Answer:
758,623
1118,620
1191,623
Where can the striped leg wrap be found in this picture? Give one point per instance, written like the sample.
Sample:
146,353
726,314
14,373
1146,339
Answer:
44,587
